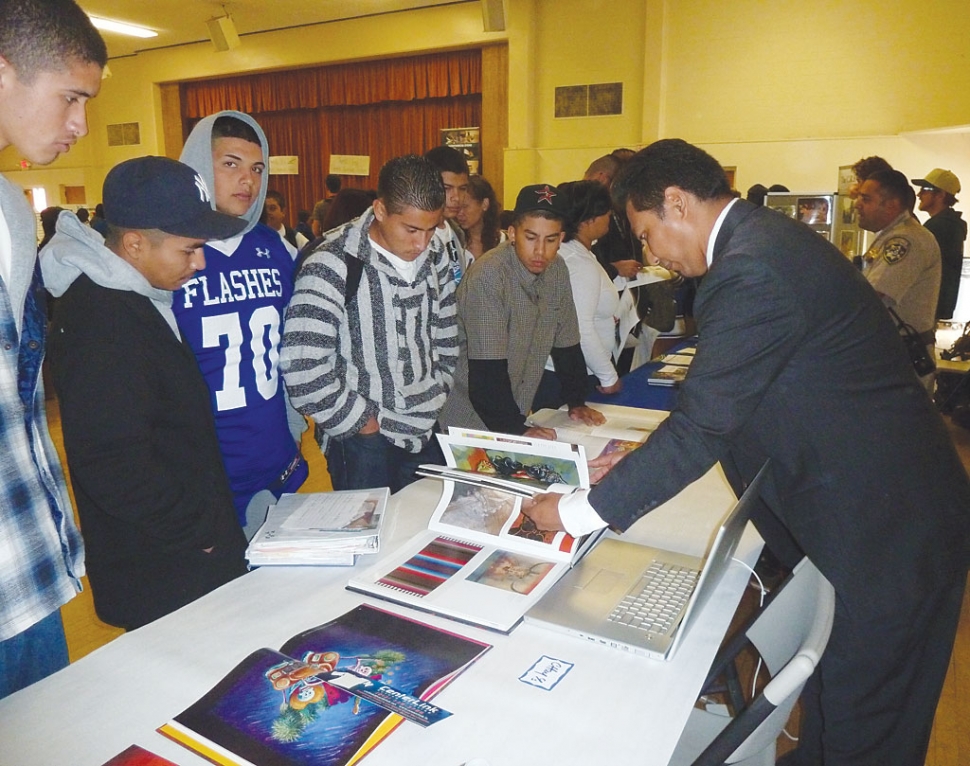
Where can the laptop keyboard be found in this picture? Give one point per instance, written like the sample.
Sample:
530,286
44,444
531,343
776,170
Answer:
656,602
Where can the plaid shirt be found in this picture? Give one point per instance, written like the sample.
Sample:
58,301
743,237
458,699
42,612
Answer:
41,555
506,312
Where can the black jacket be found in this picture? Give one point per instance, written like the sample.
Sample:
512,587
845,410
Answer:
798,361
144,460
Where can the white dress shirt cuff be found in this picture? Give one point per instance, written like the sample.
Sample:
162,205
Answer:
575,512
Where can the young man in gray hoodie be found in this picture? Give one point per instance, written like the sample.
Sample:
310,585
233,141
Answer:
231,314
156,510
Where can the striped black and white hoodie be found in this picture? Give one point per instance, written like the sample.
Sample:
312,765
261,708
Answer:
387,351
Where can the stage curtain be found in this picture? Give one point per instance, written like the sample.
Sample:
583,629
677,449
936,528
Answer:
377,108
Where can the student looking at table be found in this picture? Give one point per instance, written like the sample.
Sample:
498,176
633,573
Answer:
51,60
152,494
515,308
594,294
370,342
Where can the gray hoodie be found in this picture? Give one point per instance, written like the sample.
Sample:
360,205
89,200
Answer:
78,249
197,154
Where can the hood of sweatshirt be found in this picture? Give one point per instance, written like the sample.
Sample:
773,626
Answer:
197,154
78,249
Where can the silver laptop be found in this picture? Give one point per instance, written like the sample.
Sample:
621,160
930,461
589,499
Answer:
640,599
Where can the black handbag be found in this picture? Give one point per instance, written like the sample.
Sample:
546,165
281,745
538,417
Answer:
656,305
916,343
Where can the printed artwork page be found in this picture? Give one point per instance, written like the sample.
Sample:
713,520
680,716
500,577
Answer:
625,429
493,517
273,708
622,423
478,583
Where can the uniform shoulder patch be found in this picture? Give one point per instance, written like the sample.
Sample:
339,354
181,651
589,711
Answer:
895,249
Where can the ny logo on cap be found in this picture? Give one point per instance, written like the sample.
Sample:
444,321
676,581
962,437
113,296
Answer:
203,189
545,194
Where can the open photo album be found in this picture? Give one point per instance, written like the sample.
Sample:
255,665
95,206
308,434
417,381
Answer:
481,560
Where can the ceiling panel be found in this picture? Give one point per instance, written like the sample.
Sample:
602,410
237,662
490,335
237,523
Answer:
184,21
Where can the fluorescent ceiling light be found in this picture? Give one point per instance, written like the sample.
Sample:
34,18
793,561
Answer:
108,25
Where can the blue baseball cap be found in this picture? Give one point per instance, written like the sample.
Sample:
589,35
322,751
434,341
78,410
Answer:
164,194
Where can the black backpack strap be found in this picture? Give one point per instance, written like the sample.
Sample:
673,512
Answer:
355,268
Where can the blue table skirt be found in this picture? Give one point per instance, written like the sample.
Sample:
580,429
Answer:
638,393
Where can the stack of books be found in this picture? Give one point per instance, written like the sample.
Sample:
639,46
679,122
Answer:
674,369
321,528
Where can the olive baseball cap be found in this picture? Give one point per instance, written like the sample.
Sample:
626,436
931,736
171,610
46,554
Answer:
940,179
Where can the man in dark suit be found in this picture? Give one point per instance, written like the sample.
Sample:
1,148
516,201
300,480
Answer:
798,361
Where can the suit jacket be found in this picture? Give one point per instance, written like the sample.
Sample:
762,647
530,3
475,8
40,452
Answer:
798,361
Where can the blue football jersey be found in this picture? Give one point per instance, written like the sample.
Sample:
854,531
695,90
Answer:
231,314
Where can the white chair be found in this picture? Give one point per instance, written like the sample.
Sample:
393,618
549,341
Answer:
790,634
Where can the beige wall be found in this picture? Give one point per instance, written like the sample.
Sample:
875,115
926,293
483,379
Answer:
785,91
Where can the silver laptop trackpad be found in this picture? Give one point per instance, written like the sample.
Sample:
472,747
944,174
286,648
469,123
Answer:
601,581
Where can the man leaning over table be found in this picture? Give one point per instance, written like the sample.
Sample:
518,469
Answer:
152,494
798,361
51,59
515,310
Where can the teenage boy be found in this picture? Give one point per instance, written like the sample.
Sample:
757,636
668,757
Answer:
454,175
151,489
231,314
51,60
515,309
370,343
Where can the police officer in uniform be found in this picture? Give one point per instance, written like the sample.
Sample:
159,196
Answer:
903,264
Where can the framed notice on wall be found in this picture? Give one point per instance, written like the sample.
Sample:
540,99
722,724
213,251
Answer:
468,141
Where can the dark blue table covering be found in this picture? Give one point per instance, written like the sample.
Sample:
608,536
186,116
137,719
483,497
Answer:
638,393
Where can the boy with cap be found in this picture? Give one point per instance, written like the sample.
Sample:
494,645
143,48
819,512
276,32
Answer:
51,59
937,196
155,506
515,309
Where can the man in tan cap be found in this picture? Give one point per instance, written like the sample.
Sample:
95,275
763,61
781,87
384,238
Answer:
937,195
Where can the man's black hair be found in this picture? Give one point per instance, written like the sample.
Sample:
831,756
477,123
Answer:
669,162
332,182
447,160
278,196
586,199
756,194
46,35
228,126
410,181
894,185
